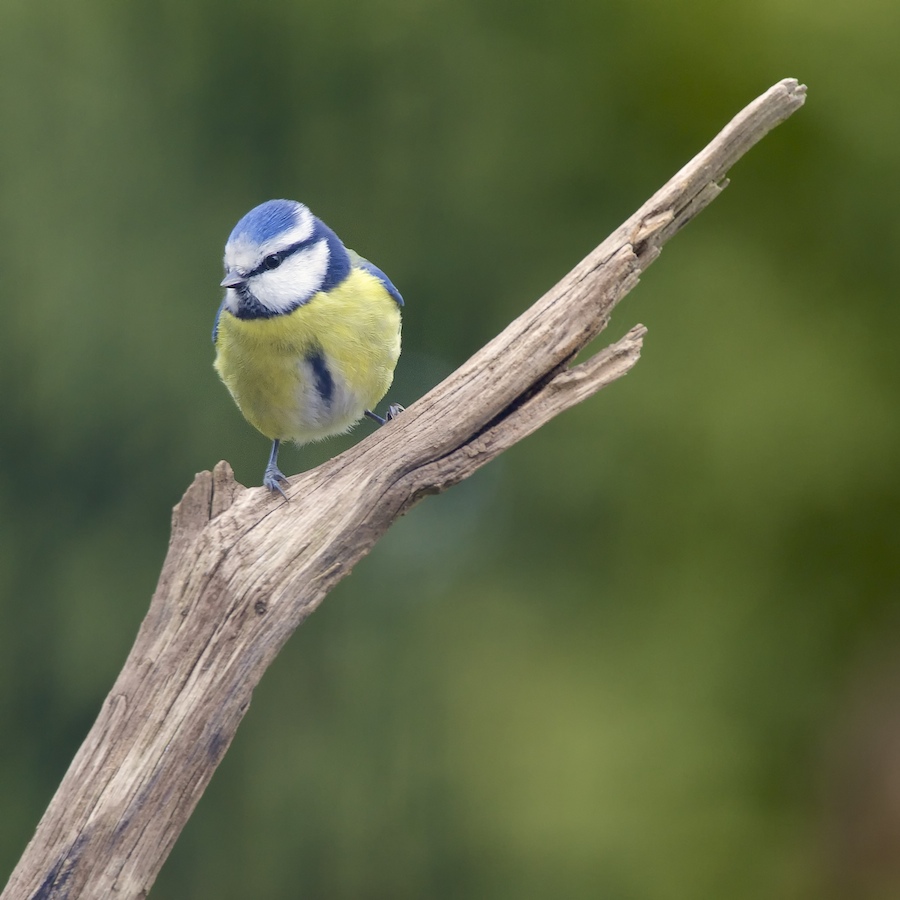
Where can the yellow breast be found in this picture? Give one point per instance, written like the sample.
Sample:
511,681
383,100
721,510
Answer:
311,373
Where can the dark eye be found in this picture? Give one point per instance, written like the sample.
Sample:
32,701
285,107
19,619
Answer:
272,261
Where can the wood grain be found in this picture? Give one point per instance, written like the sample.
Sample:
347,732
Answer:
244,568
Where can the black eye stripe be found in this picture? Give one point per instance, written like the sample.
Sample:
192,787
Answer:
274,260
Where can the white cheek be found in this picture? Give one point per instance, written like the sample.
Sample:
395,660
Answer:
294,281
231,302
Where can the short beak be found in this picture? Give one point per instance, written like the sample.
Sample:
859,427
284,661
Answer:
232,279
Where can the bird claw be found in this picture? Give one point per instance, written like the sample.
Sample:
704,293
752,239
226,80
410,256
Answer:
273,478
394,410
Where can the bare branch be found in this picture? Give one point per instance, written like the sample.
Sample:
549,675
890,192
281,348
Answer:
244,569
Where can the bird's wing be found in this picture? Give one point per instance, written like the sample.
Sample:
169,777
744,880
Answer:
215,331
362,263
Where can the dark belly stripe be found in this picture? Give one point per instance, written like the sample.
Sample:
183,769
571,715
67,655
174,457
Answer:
322,375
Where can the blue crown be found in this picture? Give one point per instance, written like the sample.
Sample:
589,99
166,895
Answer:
267,220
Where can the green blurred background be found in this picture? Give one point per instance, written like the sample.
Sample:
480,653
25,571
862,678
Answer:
649,654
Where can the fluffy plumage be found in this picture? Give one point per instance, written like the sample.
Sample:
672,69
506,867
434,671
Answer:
308,334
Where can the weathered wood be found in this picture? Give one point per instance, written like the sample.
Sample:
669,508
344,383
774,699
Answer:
244,568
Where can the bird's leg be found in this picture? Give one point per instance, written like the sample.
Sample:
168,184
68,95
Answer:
274,476
394,410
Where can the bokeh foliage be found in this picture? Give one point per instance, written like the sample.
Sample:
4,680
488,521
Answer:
647,654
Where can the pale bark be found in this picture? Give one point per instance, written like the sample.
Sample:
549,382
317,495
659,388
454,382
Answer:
244,568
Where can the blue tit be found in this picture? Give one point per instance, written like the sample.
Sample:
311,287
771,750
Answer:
308,334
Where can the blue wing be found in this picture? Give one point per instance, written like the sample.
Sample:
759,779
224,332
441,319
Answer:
363,263
215,331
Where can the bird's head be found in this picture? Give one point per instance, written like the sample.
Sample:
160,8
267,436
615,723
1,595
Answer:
278,255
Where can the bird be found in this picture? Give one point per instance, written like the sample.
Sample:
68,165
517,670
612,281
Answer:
308,333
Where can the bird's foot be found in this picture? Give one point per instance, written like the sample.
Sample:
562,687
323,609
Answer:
273,478
394,410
